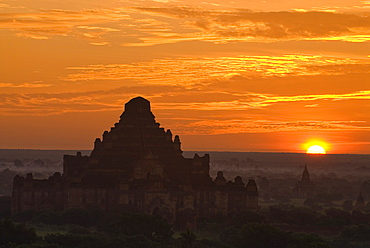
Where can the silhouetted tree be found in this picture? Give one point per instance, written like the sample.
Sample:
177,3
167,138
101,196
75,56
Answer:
129,224
263,236
309,202
5,205
23,216
304,240
255,235
18,163
335,217
347,205
35,245
15,233
356,233
246,217
293,215
101,241
83,217
208,243
187,238
49,217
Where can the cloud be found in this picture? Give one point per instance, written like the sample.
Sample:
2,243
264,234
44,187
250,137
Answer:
202,71
48,23
360,95
237,126
152,26
51,104
170,99
25,85
32,36
252,100
311,105
225,110
44,104
100,43
99,28
221,26
3,5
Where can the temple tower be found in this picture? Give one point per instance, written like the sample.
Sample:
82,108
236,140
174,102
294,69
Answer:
305,186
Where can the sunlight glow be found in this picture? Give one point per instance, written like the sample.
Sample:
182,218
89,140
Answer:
316,149
316,146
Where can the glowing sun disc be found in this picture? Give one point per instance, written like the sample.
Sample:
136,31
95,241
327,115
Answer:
316,150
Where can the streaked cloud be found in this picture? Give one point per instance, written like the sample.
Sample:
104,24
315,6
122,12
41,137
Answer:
221,26
262,126
154,25
51,104
103,43
99,28
25,85
361,95
32,36
255,101
47,23
190,71
311,105
56,103
3,5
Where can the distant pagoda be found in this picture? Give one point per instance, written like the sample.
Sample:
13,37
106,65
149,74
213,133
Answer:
360,203
305,186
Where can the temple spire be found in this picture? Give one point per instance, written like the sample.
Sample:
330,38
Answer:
305,174
137,112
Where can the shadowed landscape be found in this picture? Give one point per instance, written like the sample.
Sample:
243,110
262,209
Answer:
330,211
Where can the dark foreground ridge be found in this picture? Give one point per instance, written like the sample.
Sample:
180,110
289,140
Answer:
138,166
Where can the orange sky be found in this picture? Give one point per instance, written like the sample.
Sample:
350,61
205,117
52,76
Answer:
236,76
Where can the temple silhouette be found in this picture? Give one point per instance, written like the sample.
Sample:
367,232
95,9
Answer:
138,166
305,187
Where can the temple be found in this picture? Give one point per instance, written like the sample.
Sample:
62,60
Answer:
360,203
138,166
305,187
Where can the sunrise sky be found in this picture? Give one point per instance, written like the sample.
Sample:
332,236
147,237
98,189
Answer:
224,75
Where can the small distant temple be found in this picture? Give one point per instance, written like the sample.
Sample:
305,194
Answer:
305,186
138,166
360,203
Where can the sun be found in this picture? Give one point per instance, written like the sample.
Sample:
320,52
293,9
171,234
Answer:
316,149
316,146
